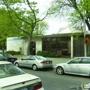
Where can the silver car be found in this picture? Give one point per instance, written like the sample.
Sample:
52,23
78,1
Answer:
13,78
35,62
77,66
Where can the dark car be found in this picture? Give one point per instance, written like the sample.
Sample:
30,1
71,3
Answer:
7,57
2,58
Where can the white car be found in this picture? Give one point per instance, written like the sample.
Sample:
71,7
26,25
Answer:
34,61
13,78
76,66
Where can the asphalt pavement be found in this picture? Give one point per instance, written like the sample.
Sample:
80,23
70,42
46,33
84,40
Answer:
58,60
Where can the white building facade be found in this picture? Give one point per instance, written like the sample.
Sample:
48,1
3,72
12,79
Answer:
20,44
62,43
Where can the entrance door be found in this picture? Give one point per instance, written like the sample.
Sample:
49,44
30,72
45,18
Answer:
33,48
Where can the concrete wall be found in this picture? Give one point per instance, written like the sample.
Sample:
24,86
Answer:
18,44
14,43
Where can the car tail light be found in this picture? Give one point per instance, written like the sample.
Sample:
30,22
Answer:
38,86
8,59
42,62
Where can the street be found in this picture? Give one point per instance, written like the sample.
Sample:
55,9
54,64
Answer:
52,81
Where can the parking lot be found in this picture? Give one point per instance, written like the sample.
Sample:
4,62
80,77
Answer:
58,60
55,60
52,81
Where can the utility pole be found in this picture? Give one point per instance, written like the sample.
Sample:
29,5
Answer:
84,30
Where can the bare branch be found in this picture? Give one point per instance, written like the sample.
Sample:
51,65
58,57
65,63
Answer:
31,10
42,18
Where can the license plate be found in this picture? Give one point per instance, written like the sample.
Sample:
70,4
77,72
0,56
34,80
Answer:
12,59
47,62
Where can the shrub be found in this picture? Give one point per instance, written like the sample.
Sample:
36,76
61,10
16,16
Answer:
48,54
14,52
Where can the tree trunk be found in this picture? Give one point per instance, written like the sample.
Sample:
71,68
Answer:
29,45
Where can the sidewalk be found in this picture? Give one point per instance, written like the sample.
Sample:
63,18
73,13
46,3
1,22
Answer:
58,60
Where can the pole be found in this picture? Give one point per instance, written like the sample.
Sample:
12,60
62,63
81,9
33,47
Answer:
71,46
85,47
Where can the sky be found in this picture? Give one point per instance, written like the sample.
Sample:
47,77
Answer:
54,24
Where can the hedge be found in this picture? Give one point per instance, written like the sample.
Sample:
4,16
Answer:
14,52
48,54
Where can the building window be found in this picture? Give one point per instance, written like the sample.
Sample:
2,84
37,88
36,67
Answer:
58,44
46,44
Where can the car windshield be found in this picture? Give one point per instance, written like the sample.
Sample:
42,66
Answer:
41,58
8,55
7,70
1,55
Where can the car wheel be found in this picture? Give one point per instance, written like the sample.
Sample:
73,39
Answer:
16,64
59,70
34,67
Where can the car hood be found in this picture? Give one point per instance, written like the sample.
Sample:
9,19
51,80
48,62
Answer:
8,81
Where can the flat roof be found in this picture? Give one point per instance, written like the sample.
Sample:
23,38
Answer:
56,35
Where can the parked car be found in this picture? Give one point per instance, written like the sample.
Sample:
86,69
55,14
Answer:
77,66
2,58
13,78
34,61
9,57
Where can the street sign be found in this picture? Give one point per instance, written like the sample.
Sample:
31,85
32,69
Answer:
86,40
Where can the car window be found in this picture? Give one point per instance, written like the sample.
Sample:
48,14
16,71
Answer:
41,58
1,54
86,60
7,70
2,58
6,55
74,61
26,58
32,58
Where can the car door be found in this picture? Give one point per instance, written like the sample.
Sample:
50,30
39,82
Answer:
30,60
73,66
85,66
24,61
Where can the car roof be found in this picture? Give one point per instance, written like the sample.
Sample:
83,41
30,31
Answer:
82,57
34,55
4,62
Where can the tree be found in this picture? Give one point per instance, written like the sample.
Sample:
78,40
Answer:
41,28
7,28
77,11
24,15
